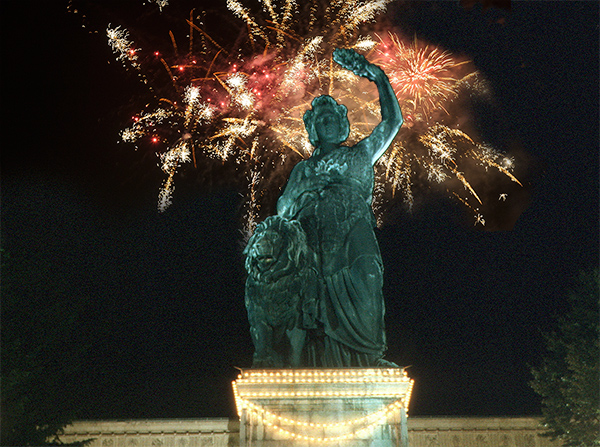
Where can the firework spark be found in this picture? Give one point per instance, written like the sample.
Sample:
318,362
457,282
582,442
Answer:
160,3
119,42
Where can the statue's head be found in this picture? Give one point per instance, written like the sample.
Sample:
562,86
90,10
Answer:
327,121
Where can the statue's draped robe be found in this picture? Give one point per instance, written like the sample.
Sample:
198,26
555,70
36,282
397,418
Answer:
331,197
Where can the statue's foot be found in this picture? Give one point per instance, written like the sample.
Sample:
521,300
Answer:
383,363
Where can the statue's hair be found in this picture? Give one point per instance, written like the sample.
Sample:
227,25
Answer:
320,103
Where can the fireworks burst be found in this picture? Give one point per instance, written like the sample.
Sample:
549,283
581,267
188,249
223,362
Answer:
423,77
244,105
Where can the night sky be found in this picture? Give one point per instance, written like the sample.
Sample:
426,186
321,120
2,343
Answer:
161,295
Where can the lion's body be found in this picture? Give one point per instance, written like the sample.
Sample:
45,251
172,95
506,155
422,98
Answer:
279,275
275,303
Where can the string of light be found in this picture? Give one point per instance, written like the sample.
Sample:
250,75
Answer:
373,419
379,372
326,380
326,438
377,416
327,376
360,393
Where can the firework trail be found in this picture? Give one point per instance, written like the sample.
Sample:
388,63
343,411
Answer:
243,104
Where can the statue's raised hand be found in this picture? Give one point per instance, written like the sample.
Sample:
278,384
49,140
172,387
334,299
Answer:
351,60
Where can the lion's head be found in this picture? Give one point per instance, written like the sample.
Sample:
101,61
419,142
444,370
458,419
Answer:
276,249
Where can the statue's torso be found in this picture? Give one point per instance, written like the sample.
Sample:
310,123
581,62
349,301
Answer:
346,171
329,194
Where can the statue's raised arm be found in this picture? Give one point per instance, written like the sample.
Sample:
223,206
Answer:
391,117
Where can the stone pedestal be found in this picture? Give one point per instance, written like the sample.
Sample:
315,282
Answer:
341,407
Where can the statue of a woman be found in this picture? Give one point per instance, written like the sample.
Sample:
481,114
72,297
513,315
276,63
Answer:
330,195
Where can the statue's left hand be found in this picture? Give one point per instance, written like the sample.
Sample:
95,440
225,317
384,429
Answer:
351,60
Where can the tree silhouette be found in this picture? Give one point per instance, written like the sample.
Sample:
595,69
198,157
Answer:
42,356
567,379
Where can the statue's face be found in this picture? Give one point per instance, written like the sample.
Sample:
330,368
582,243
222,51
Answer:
328,126
327,121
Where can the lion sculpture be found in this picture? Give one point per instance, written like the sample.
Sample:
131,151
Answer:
280,292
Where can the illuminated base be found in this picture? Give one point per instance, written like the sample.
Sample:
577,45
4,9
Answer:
334,407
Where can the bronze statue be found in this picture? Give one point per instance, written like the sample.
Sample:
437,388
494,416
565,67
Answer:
339,306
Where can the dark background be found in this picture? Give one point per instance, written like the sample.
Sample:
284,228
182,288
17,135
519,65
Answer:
160,296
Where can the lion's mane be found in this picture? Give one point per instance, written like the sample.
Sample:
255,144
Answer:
283,241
